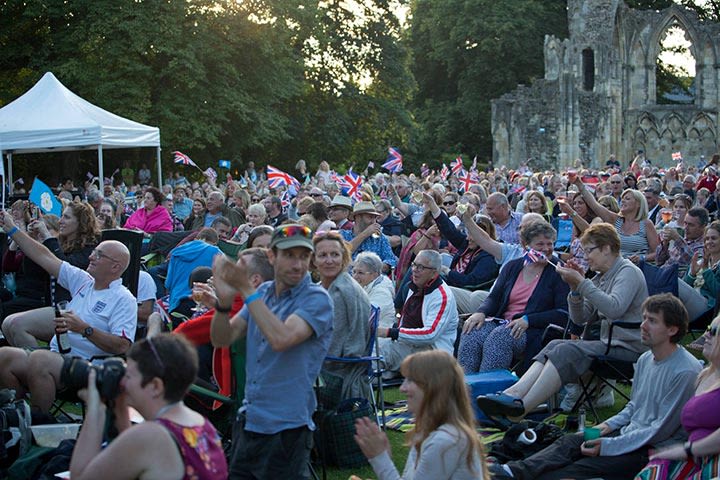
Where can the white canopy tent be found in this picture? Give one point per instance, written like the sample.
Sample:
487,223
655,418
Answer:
49,117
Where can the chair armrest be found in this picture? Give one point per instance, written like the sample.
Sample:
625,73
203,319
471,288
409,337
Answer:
619,325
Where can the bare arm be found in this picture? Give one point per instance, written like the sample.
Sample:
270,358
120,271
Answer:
36,251
480,236
144,310
224,330
280,335
600,211
397,202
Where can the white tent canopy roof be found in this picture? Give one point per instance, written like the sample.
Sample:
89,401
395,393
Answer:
51,117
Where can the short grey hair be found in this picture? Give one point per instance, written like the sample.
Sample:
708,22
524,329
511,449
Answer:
500,198
371,261
433,258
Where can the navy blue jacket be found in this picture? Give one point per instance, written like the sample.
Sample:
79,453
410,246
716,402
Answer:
547,304
482,266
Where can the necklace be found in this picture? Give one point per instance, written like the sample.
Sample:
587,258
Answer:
165,409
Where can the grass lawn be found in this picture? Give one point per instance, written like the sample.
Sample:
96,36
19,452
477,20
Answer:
400,451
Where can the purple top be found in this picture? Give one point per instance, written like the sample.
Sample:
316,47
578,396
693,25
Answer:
701,415
200,448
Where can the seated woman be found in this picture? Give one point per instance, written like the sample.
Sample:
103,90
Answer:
367,271
199,209
699,457
471,265
256,216
351,309
616,293
173,442
527,297
535,202
443,442
30,316
581,217
704,271
151,217
638,238
106,215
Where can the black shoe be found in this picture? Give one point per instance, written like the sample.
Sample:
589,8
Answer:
501,404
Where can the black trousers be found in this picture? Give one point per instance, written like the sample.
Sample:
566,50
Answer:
563,459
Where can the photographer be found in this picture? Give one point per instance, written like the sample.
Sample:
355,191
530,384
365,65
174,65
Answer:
173,442
101,316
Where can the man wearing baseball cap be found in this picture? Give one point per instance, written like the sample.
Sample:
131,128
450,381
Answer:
288,325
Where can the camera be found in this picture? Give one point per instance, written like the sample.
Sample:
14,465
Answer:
74,376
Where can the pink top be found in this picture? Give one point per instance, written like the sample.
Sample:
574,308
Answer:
519,296
158,220
701,416
200,448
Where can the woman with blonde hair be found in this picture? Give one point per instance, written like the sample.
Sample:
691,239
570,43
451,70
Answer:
638,237
443,443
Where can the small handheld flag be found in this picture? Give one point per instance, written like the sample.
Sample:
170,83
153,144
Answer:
183,159
44,198
677,156
278,178
457,165
224,164
394,162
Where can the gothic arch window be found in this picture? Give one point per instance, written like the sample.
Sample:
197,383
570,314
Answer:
588,66
675,67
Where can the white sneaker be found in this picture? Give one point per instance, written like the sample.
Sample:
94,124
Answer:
606,397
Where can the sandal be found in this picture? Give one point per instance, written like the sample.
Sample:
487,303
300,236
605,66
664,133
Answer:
501,404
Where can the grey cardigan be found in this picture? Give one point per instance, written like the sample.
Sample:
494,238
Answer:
616,295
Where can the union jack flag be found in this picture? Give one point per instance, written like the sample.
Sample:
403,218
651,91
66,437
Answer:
457,165
394,162
677,156
211,173
183,159
444,172
467,179
278,178
473,168
350,184
424,170
285,199
533,256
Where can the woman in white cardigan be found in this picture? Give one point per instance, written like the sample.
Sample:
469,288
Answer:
443,442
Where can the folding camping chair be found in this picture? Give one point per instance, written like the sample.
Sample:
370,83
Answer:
374,373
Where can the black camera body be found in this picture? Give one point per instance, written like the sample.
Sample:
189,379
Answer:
74,376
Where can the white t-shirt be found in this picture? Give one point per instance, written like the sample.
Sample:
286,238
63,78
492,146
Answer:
146,287
112,310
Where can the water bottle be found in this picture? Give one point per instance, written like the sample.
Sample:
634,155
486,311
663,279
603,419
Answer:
581,420
63,339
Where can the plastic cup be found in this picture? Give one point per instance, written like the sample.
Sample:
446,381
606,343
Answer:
417,196
572,175
666,215
591,433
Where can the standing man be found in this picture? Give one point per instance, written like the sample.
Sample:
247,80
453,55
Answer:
507,222
288,325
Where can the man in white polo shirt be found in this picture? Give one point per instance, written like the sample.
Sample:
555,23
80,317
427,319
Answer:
101,317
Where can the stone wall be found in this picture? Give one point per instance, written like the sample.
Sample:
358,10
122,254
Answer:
598,94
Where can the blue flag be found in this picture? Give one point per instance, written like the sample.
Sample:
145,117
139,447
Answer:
224,164
43,197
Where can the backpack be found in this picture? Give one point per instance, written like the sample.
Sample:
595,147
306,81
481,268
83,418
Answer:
15,432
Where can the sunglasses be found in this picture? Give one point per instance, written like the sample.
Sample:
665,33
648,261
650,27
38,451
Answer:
615,182
711,331
156,354
331,234
289,231
451,202
316,194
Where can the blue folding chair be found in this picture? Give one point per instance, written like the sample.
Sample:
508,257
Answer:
374,373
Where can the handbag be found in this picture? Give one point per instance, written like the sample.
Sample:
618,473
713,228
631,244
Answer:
335,435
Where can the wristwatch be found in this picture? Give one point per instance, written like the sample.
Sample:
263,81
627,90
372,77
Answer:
88,332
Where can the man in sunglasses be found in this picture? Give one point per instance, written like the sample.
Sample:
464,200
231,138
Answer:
288,326
101,317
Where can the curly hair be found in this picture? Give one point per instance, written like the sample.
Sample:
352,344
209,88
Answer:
88,231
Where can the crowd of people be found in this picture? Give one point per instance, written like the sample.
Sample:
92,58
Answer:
467,276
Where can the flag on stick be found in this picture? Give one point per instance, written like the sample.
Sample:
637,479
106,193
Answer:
394,162
182,159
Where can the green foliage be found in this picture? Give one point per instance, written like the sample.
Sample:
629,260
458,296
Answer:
467,53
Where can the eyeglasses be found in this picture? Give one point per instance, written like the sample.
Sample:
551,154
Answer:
451,202
255,199
712,331
316,194
288,231
359,272
589,250
97,254
615,182
156,355
420,268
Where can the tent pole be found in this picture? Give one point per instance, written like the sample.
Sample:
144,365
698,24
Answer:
100,168
159,167
9,172
5,180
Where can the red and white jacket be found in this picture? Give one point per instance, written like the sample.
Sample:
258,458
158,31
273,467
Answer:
429,316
